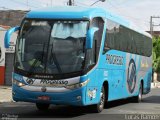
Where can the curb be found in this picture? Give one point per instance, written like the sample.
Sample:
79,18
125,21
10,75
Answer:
5,101
152,85
155,85
7,98
6,87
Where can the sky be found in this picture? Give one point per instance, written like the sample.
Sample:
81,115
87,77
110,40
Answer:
137,12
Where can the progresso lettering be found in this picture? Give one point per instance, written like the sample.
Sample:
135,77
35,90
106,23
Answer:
114,59
54,82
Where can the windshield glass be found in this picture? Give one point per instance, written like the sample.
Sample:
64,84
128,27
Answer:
52,47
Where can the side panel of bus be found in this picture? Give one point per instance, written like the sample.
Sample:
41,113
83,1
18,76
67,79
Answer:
125,72
127,61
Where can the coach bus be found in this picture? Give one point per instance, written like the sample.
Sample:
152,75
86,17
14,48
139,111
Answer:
79,56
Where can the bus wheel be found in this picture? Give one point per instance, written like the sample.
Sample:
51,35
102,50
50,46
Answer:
42,106
138,98
100,106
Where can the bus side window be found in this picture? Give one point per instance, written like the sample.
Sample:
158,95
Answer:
112,36
98,22
106,46
119,37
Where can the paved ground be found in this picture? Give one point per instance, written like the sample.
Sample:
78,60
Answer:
117,110
5,94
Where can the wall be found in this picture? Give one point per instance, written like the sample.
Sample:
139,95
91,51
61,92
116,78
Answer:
2,58
6,60
11,17
8,18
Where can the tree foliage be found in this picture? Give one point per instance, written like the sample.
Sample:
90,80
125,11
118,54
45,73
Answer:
156,54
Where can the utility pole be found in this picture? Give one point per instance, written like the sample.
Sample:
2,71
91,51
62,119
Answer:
71,2
27,5
152,24
51,2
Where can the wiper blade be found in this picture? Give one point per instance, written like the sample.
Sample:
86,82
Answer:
53,56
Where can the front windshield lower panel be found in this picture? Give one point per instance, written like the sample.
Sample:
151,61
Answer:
51,47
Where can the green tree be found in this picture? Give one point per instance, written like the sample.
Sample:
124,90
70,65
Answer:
156,54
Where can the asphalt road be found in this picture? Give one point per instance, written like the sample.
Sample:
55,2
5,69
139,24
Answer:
116,110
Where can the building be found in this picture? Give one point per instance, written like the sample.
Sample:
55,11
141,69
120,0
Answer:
155,33
2,57
6,58
9,19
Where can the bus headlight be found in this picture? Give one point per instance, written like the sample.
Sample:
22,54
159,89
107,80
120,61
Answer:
18,83
78,85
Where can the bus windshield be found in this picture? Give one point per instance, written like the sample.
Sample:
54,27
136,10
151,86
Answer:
51,47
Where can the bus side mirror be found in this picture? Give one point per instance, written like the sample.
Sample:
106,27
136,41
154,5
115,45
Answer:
8,36
90,37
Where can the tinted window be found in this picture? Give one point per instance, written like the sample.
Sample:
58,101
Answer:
124,39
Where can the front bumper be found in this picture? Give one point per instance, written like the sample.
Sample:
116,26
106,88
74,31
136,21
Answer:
74,97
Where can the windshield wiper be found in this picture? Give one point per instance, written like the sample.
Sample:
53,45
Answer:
53,56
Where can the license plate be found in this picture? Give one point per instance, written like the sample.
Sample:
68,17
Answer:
45,98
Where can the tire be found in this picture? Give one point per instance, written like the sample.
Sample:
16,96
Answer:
100,106
138,98
42,106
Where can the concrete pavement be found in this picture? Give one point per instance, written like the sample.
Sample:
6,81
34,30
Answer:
5,94
148,109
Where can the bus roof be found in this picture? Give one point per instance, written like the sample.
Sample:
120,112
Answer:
76,12
67,12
